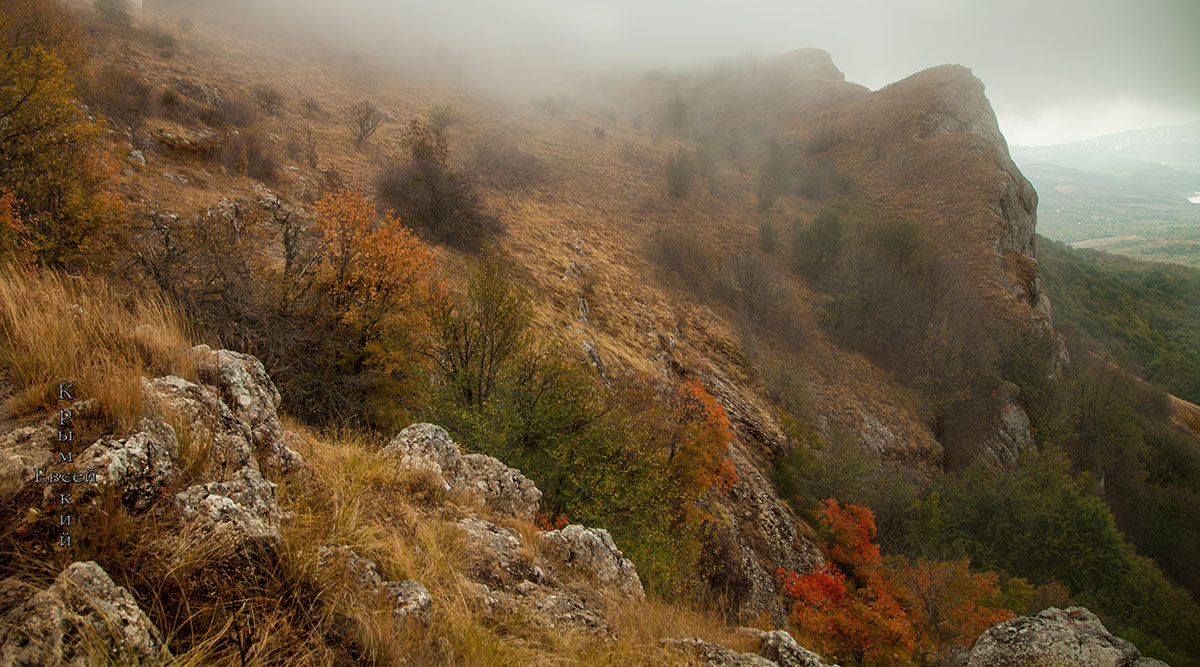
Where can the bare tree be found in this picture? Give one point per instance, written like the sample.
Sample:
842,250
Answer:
364,120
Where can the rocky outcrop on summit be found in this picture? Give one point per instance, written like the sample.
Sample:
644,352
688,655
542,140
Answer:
83,618
1071,637
504,490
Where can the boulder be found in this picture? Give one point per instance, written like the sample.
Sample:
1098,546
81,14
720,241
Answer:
504,490
252,397
140,466
716,655
243,511
592,553
1062,637
779,647
209,422
83,618
501,559
22,450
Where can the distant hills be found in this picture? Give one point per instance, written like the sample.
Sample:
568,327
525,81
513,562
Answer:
1126,192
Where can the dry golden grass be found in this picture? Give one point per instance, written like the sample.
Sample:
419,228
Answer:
58,329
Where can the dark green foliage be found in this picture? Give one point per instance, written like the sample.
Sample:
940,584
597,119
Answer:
892,295
677,112
775,178
821,140
1039,522
1147,314
432,196
768,237
681,173
817,243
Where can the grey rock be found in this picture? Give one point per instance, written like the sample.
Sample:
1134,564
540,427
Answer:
209,422
499,556
83,618
252,397
22,450
427,447
592,553
1061,637
779,647
504,490
136,157
244,511
411,601
140,466
716,655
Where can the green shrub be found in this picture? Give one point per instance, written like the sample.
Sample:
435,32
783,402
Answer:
768,236
681,173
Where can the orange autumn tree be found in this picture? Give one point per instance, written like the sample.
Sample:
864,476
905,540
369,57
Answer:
857,608
368,278
948,604
849,609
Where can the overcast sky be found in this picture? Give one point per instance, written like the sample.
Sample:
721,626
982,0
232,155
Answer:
1055,70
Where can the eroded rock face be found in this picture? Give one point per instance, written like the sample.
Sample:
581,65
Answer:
504,490
139,466
244,511
592,552
779,647
1011,434
22,450
1071,637
252,396
716,655
83,618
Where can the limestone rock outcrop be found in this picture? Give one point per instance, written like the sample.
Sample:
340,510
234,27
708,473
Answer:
139,466
504,490
1071,637
591,552
83,618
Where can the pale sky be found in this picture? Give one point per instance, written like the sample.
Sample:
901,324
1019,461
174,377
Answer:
1055,70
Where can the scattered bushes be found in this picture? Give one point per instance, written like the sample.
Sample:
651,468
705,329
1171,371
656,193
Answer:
600,133
821,179
233,111
768,237
311,108
821,140
159,37
433,197
689,256
268,98
555,106
364,120
677,112
681,173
